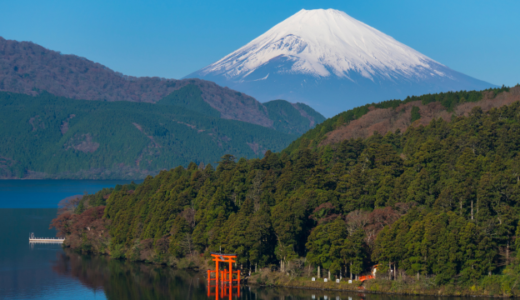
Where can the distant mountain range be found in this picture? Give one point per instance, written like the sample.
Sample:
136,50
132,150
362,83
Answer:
46,136
332,62
131,127
28,68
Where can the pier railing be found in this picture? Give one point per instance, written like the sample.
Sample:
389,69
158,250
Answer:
33,239
46,240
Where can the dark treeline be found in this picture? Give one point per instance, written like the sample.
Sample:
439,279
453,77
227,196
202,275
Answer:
441,200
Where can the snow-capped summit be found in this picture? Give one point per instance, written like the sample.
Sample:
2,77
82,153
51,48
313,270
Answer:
333,62
321,42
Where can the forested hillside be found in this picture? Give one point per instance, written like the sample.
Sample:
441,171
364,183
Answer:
399,114
441,200
291,118
31,69
53,137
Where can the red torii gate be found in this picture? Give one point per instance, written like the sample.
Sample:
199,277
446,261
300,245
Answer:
225,276
225,290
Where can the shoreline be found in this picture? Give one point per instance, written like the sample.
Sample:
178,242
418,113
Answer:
365,291
376,286
266,278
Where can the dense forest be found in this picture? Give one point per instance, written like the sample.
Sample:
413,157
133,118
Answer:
53,137
448,100
441,201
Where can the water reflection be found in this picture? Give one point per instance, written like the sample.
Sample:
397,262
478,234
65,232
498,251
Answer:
223,290
125,280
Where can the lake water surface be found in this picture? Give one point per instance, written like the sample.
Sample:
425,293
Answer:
47,193
46,271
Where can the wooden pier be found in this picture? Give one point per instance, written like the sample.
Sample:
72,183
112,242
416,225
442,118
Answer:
33,239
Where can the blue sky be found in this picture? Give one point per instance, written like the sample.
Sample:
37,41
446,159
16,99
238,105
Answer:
174,38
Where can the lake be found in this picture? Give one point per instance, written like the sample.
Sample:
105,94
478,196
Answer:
47,193
46,271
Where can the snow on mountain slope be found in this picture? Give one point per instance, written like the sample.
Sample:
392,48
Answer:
323,40
326,54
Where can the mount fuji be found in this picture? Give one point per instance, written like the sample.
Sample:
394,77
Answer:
332,62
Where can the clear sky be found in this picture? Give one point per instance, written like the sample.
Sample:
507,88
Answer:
174,38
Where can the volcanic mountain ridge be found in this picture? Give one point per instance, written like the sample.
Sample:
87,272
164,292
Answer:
29,68
332,62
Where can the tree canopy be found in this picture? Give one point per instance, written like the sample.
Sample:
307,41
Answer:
440,200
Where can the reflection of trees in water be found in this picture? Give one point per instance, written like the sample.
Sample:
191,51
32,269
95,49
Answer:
126,280
270,293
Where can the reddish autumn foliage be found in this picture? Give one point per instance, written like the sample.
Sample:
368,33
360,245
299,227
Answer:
189,215
62,224
324,213
83,231
377,220
373,222
88,219
69,204
355,220
383,120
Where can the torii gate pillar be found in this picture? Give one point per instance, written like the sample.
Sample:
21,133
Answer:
226,276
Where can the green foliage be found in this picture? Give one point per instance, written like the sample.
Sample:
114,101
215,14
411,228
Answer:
449,100
415,113
93,200
318,118
330,246
292,118
440,200
288,118
190,97
63,138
